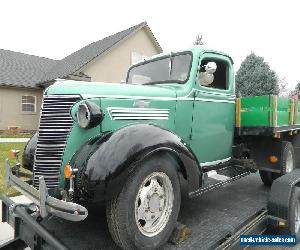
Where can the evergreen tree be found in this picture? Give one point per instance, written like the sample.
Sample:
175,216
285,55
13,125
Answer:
297,88
255,78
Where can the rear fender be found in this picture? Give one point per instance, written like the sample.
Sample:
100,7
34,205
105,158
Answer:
280,195
109,157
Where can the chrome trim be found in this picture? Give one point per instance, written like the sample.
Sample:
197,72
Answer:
213,100
214,93
185,98
47,204
55,125
130,97
141,118
118,113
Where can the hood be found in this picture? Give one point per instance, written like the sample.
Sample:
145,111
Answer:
117,90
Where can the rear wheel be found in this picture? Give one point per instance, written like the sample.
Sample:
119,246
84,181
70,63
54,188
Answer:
284,206
294,218
287,164
145,212
292,215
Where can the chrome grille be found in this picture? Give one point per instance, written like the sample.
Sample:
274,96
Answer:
55,125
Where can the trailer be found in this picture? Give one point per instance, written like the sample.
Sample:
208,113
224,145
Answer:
246,214
218,219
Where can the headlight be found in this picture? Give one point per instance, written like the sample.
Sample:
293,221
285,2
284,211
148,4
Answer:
89,115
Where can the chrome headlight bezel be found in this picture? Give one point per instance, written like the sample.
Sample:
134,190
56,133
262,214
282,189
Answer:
89,115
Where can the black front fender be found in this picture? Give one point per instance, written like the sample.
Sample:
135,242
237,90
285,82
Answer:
107,158
29,151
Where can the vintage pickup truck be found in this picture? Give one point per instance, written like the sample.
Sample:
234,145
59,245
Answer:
176,119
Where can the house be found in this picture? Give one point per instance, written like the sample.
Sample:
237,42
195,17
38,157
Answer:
23,77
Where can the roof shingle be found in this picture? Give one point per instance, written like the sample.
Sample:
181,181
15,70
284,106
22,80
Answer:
22,70
80,58
18,69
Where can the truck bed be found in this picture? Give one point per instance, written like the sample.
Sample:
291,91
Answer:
211,217
266,115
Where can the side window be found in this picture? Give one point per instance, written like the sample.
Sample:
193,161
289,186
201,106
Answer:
217,80
28,103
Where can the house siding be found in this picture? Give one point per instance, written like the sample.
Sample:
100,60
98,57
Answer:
11,108
112,67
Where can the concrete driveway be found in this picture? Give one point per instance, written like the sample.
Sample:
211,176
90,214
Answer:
14,139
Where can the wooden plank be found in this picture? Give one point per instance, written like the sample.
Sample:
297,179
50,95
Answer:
238,112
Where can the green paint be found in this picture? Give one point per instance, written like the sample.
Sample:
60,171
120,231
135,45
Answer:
203,117
259,111
213,121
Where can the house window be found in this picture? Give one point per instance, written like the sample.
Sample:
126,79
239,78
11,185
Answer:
28,103
136,57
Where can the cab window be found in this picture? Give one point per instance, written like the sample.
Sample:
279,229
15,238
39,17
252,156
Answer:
216,80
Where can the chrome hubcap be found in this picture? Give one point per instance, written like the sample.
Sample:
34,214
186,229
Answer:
289,162
297,217
154,203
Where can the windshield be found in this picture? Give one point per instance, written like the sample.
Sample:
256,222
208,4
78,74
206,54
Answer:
174,68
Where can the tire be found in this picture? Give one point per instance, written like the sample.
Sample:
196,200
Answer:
287,164
294,213
144,214
293,216
268,177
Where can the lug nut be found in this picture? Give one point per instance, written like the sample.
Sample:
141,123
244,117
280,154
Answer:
160,209
152,216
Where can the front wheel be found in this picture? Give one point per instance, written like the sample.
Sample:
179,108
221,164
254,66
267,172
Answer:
145,212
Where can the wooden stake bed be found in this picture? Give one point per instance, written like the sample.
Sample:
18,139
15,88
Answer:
266,115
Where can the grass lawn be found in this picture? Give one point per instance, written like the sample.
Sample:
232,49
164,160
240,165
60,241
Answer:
21,135
4,150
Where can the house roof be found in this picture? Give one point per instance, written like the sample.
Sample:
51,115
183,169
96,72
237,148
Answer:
22,70
80,58
18,69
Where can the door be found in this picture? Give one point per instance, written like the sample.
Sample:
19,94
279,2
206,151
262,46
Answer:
214,111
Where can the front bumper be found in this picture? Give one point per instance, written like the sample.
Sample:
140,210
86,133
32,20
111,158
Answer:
47,204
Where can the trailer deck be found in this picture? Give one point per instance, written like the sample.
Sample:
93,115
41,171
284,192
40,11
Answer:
212,218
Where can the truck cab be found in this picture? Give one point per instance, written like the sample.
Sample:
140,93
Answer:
204,108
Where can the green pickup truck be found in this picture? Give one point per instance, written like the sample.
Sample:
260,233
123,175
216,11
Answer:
176,120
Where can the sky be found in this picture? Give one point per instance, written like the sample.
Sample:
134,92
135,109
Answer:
56,28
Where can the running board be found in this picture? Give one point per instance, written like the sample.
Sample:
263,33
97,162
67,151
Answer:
218,178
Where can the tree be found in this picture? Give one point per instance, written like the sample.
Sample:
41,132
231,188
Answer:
297,88
255,77
295,92
199,40
284,89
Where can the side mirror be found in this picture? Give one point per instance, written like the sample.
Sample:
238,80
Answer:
210,67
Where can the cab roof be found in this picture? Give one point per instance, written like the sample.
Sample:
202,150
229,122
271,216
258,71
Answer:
198,49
